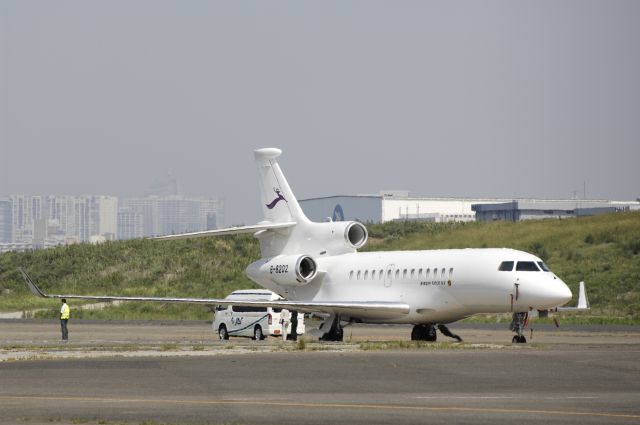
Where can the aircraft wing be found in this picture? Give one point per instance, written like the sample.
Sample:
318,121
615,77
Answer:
230,230
371,310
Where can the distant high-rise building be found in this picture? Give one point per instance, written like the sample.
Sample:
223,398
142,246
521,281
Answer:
6,220
177,215
39,233
25,210
130,224
211,213
165,215
86,217
19,217
107,216
146,207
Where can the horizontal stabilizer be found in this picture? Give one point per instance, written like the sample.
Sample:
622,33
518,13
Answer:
372,310
229,231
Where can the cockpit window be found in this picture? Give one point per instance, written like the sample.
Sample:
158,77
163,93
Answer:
527,266
506,266
543,266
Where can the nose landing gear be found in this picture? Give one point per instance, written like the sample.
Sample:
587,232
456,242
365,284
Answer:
335,332
518,321
424,333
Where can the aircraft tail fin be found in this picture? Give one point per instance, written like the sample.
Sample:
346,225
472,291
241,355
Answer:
279,204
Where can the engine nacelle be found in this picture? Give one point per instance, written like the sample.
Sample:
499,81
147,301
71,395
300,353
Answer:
355,234
285,270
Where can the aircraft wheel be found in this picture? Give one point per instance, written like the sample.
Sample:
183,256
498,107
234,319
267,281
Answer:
430,334
424,333
222,333
257,334
415,334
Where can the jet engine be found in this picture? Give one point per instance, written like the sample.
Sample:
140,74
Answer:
355,234
286,270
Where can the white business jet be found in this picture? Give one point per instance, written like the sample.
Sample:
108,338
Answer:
316,268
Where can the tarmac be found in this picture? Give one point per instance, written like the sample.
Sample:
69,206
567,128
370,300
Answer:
178,373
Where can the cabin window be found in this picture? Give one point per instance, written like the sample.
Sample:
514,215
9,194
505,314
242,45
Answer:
381,273
404,274
366,274
450,272
398,274
506,266
543,266
351,275
419,273
426,273
527,266
358,276
442,272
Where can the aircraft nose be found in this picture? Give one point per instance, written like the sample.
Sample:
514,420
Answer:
562,292
550,293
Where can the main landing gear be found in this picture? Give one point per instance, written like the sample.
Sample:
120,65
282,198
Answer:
335,332
518,321
428,333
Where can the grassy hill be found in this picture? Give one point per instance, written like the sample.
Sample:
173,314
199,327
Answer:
205,267
603,251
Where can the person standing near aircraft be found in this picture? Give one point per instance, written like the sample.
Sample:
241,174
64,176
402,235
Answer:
64,318
285,317
294,325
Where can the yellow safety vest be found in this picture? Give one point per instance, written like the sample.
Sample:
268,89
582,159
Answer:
64,312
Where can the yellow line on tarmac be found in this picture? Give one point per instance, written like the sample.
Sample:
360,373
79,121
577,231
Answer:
318,405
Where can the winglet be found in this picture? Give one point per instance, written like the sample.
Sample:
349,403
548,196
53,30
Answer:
32,286
583,301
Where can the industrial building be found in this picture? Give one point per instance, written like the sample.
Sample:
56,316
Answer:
535,209
389,206
398,205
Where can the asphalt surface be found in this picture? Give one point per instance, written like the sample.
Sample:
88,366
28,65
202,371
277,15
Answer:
590,382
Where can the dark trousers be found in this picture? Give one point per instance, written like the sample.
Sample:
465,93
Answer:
63,327
294,326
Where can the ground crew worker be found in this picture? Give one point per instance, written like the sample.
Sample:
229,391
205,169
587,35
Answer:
285,316
64,318
294,325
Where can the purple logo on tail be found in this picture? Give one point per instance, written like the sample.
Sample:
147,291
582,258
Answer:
276,200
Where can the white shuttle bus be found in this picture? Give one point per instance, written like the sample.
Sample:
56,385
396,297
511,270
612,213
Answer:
252,322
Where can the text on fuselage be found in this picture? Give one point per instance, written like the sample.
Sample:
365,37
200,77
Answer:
436,283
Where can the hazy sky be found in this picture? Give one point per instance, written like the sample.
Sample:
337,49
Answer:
492,98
